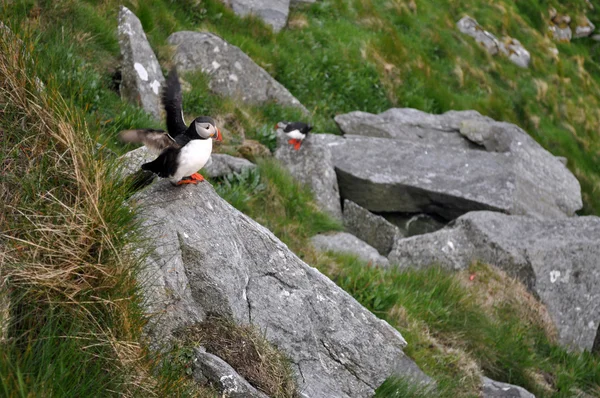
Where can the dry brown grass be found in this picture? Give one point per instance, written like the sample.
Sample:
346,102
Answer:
59,249
493,288
247,351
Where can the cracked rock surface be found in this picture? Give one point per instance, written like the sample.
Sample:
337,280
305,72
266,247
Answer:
142,78
210,258
231,72
558,260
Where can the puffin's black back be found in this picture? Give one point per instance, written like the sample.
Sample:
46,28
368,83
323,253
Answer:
165,165
300,126
172,100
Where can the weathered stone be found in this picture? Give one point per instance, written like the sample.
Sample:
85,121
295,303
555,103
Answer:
273,12
231,72
559,27
210,258
446,174
469,26
516,53
208,368
343,242
312,166
371,228
495,389
584,28
220,165
558,260
142,78
414,224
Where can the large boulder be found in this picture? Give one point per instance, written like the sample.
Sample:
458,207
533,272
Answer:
448,165
369,227
142,78
272,12
343,242
495,389
231,72
211,259
312,166
558,260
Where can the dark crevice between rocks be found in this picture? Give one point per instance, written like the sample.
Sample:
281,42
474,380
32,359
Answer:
596,346
248,300
412,224
345,366
275,276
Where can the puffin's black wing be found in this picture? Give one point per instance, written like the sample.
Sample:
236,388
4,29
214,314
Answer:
165,165
300,126
156,140
173,103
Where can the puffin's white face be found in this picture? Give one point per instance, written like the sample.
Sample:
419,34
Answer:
280,126
205,130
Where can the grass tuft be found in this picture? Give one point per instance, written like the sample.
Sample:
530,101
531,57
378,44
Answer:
247,351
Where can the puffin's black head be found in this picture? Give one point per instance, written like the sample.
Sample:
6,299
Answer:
206,128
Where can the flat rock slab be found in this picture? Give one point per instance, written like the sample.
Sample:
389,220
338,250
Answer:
448,165
495,389
273,12
343,242
142,78
312,166
558,260
211,259
209,368
232,73
371,228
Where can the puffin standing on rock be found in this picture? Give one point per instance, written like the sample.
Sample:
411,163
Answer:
296,132
183,150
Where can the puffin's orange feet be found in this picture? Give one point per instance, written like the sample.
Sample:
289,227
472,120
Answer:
295,143
187,181
197,177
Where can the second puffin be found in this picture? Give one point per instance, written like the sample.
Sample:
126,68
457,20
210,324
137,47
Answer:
183,150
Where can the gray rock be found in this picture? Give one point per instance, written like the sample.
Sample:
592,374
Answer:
343,242
444,173
312,166
469,26
142,77
584,28
210,258
231,72
414,224
371,228
273,12
209,368
558,260
559,26
220,165
515,52
495,389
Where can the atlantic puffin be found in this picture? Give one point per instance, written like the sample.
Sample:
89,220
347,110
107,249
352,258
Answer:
183,150
296,131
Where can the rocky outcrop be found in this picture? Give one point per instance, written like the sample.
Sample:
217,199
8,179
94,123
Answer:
142,78
584,28
312,166
371,228
559,27
272,12
218,165
343,242
508,46
495,389
558,260
211,259
210,369
231,72
448,171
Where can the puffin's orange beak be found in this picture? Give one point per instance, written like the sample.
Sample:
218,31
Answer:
219,136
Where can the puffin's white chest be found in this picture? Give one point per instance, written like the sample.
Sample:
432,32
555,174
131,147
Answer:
295,134
192,157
